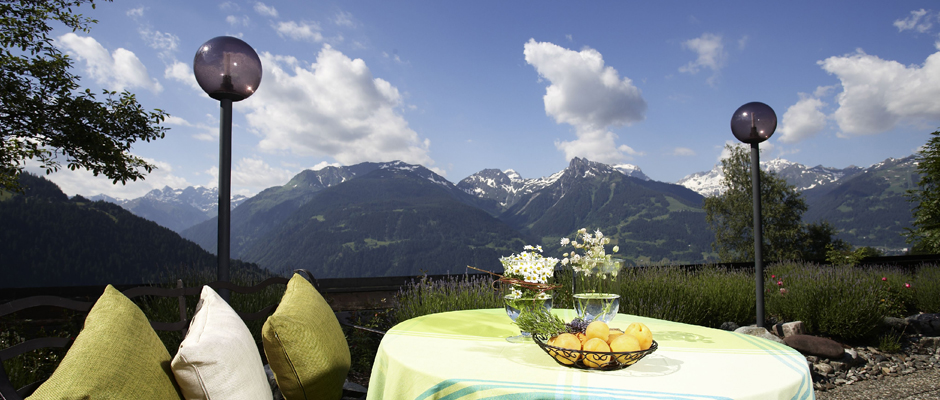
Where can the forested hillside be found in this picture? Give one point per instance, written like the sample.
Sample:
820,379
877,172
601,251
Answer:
649,220
47,239
870,208
388,222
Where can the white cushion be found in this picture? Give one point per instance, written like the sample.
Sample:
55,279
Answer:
218,359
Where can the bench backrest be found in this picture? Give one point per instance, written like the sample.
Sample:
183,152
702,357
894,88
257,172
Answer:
7,391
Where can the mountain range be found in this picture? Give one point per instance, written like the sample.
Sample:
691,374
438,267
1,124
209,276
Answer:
337,217
374,219
176,209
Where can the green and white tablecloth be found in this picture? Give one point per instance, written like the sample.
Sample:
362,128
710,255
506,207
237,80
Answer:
464,355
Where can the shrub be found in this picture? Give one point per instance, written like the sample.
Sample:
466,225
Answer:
462,292
844,301
926,288
708,296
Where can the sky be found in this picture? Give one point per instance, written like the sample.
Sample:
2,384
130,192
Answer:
461,86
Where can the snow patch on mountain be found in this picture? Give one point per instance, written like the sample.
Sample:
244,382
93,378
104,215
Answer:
708,183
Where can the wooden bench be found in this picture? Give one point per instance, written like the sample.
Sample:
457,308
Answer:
8,392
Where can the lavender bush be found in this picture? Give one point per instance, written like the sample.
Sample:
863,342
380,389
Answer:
462,292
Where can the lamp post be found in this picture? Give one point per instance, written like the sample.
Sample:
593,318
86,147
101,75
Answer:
228,70
753,123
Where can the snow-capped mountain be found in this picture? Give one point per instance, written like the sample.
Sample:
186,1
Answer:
199,197
631,170
708,183
507,187
176,209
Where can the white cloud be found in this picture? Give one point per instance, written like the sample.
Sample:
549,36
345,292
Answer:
334,107
83,182
711,55
344,18
229,6
802,120
569,37
299,31
255,175
174,120
915,21
589,96
683,152
742,42
165,43
823,91
183,73
238,21
394,57
136,12
116,71
877,94
265,10
206,132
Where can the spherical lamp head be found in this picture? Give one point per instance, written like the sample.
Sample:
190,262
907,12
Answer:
227,68
753,122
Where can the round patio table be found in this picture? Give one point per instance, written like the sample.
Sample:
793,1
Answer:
464,355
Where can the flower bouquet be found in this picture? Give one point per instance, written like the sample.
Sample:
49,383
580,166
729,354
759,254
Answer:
594,278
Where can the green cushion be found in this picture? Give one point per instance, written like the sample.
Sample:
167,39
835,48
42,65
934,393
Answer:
305,345
117,355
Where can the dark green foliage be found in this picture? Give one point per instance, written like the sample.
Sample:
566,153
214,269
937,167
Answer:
926,287
819,241
731,214
925,234
43,115
48,240
385,223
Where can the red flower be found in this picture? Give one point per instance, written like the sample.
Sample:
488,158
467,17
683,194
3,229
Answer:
779,283
773,276
907,285
884,279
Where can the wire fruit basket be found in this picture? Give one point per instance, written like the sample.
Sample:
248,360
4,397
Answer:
595,360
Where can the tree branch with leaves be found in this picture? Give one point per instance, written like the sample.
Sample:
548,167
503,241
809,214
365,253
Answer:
925,235
46,118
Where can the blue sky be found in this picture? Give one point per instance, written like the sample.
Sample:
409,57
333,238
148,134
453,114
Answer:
463,86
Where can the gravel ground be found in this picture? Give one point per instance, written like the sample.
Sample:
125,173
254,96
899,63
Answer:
920,385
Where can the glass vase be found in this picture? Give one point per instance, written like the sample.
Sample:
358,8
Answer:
516,305
596,289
